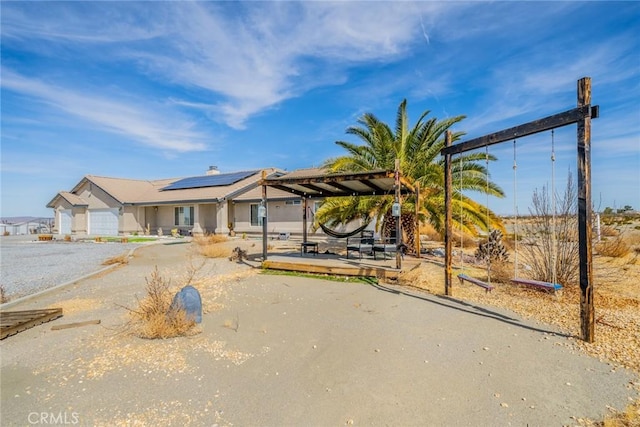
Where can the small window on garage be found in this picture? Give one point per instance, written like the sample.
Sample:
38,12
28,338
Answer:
183,215
293,202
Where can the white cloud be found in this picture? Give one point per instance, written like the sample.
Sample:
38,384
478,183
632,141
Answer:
154,127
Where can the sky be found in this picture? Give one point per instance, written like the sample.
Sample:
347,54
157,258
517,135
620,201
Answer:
150,90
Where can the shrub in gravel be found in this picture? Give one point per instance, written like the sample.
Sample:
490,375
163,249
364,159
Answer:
155,317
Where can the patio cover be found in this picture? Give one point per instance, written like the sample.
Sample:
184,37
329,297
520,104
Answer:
320,183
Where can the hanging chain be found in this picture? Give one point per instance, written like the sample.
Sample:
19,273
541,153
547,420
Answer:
553,213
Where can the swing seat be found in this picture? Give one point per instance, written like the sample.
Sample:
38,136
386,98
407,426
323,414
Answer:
537,283
487,287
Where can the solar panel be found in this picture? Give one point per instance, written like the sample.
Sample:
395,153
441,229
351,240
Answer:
209,180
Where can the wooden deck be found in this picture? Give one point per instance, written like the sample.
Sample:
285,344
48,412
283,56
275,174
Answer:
337,265
12,322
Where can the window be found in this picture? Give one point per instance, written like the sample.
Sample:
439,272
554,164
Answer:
183,215
254,215
293,202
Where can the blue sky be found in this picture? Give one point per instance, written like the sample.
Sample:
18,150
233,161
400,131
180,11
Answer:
152,90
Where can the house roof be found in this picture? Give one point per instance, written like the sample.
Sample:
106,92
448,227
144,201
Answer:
72,199
155,192
318,182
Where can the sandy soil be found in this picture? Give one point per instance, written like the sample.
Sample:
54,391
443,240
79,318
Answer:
284,350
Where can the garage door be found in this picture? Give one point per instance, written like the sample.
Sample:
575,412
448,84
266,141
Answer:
103,222
65,221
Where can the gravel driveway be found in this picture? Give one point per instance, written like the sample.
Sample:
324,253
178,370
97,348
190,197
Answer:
28,266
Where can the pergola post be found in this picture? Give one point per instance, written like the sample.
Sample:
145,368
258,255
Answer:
447,215
398,218
304,220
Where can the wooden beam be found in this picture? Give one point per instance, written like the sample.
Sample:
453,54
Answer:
344,188
289,190
584,213
447,215
552,122
375,188
316,188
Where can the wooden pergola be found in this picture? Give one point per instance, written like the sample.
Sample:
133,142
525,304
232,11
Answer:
318,183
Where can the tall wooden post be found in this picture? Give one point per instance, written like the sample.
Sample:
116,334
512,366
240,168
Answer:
304,220
587,315
264,219
398,241
417,233
447,215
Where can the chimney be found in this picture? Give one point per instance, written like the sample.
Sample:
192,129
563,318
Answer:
213,170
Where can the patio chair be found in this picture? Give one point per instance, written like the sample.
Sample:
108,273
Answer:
387,245
362,244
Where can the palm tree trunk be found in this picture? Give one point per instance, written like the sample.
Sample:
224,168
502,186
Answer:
408,223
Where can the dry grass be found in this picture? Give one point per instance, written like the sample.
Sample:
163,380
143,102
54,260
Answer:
214,251
608,231
615,248
630,417
210,239
120,259
212,246
154,317
430,233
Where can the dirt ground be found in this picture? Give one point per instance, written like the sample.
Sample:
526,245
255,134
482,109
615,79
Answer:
286,350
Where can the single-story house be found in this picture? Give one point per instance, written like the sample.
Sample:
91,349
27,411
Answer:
211,203
24,225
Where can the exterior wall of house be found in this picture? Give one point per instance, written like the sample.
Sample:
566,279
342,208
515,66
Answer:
165,218
96,197
281,218
132,219
208,217
79,220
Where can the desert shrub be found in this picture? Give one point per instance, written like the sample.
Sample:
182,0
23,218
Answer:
615,248
120,259
550,247
210,245
501,271
214,251
607,231
431,233
154,317
209,239
464,240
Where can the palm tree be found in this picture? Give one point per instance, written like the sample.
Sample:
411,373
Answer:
418,149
